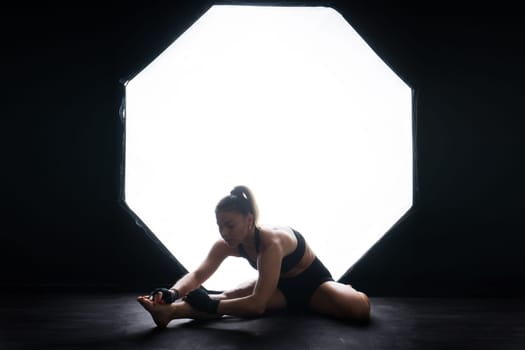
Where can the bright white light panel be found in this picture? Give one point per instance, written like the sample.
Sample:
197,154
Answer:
289,101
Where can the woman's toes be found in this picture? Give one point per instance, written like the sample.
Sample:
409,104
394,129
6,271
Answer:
159,313
145,302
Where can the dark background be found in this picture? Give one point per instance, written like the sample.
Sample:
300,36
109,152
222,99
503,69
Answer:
64,225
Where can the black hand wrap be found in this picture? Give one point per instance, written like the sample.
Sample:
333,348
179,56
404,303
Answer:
168,295
200,300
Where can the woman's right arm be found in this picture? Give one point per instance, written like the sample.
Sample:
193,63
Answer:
193,280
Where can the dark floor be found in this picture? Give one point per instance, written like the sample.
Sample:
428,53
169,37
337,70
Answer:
117,321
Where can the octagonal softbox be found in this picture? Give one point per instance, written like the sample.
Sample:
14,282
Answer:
289,101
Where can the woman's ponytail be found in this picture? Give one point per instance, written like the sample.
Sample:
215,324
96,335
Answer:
240,200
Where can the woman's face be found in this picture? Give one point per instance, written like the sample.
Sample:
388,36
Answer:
233,227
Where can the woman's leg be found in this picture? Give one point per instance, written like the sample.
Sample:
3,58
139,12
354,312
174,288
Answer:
276,302
163,314
340,301
243,290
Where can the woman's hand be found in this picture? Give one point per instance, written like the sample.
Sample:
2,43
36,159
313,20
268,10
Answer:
201,301
164,296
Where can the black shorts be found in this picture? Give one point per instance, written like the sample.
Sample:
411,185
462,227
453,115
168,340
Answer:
298,290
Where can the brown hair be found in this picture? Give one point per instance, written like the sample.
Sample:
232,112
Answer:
240,200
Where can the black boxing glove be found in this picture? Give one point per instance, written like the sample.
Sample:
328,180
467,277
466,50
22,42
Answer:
168,295
200,300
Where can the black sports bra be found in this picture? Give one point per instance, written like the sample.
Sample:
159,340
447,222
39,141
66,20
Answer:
288,262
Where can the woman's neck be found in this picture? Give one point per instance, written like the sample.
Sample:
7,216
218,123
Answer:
251,239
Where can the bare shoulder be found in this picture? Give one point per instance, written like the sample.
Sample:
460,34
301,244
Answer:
281,236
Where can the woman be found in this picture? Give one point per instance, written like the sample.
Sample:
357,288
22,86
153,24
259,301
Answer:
290,275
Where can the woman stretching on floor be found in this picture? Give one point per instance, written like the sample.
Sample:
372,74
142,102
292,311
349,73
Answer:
290,275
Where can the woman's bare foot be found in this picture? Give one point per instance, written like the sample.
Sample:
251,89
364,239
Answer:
161,314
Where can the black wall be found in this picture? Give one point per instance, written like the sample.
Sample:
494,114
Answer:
64,225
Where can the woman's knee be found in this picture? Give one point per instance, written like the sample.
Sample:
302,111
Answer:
341,301
364,307
356,308
240,291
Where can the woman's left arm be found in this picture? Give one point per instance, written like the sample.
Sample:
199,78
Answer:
269,267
